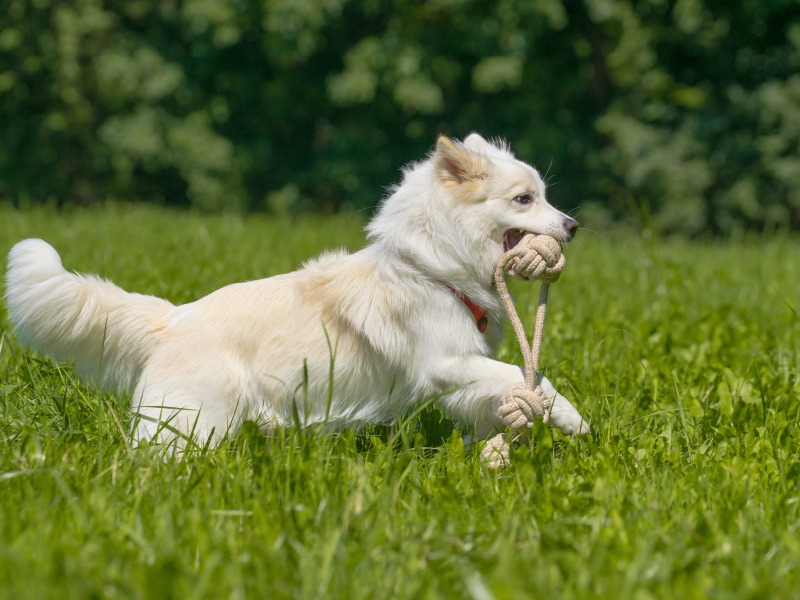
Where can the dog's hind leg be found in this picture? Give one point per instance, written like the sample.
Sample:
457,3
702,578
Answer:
176,416
163,418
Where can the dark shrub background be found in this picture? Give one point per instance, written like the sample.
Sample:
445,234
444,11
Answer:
681,116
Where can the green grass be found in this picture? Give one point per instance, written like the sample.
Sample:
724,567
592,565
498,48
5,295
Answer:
685,357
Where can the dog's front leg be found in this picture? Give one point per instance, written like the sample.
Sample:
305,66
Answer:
476,385
473,387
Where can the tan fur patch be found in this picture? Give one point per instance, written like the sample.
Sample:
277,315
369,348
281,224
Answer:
456,164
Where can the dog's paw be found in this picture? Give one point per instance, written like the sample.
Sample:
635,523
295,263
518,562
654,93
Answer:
564,416
570,424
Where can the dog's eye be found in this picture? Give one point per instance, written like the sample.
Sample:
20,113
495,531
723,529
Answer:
524,199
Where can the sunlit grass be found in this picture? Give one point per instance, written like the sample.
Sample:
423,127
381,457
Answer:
684,357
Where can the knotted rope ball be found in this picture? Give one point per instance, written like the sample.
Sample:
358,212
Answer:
521,405
534,257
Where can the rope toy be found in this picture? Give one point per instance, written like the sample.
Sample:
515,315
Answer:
534,257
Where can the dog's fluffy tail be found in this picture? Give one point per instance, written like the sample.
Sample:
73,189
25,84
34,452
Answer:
81,316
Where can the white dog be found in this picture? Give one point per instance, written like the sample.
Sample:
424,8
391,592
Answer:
406,316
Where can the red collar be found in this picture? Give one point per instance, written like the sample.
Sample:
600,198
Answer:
481,320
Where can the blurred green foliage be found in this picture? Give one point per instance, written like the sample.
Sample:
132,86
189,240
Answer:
683,115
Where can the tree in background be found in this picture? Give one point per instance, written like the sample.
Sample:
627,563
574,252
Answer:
704,124
683,116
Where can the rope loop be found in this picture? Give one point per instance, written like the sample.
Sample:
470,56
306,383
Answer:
534,257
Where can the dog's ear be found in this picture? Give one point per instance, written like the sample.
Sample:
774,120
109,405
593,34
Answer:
455,163
475,141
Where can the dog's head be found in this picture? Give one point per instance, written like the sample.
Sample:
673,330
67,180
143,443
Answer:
456,213
495,194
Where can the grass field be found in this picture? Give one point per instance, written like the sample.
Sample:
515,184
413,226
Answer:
685,357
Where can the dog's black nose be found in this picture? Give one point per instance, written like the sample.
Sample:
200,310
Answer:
571,225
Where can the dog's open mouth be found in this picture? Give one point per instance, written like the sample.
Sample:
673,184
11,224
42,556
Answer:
511,238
